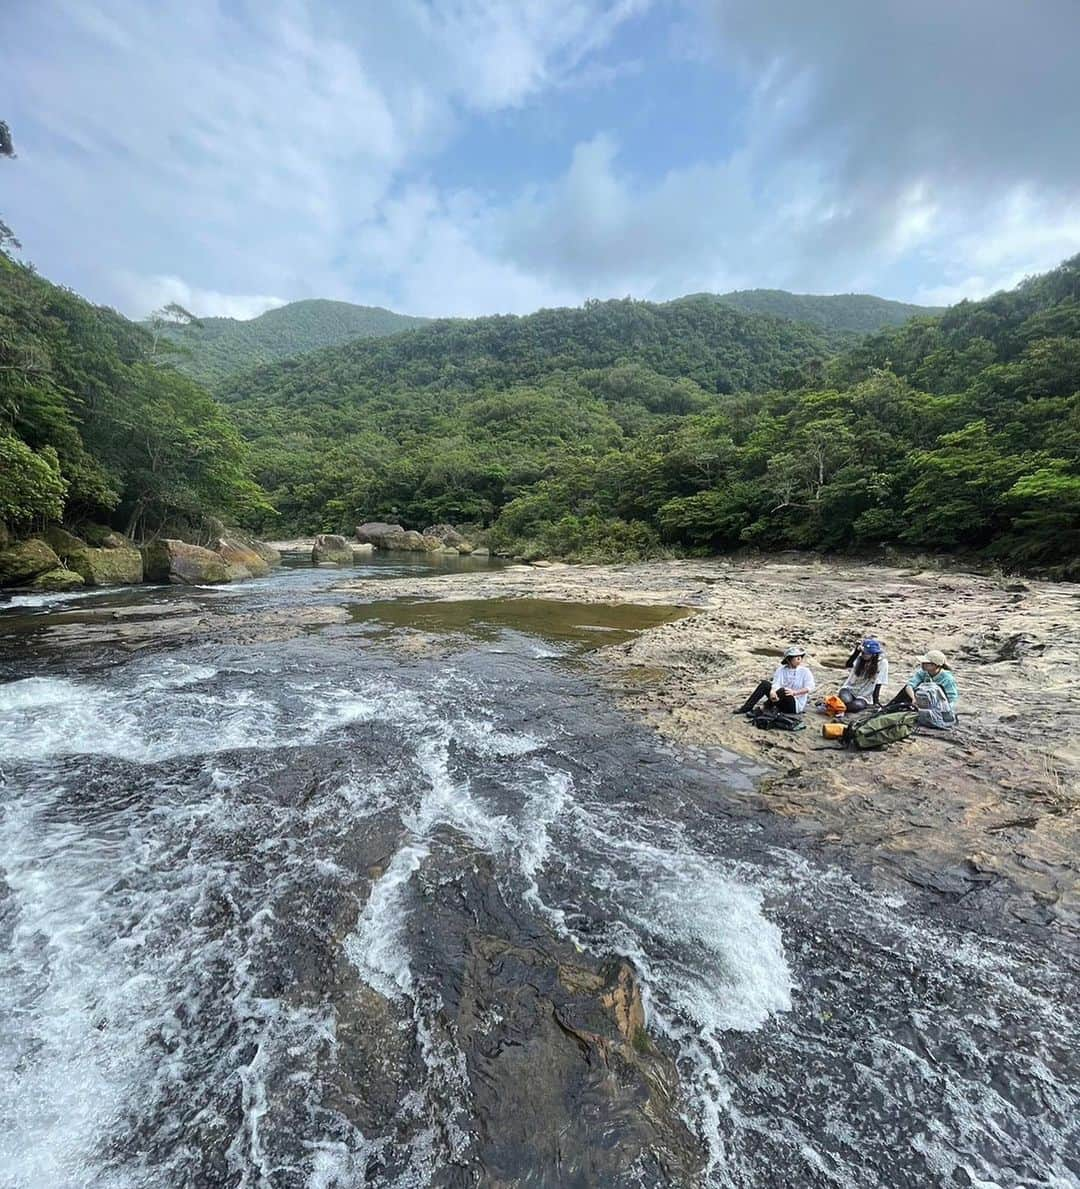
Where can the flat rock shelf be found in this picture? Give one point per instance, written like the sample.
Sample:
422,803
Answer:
317,881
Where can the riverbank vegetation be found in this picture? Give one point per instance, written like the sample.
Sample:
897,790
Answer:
92,428
626,428
621,429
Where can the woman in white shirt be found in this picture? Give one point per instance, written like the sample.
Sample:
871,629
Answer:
791,685
867,676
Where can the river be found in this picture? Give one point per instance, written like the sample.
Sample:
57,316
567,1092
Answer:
324,911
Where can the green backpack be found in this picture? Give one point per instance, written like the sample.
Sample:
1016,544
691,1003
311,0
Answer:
880,730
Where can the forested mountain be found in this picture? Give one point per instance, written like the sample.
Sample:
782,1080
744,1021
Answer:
210,349
620,429
624,428
853,313
91,427
453,420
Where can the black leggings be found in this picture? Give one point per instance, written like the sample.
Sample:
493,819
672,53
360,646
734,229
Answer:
784,702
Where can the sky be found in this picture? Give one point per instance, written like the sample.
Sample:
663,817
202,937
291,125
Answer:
464,157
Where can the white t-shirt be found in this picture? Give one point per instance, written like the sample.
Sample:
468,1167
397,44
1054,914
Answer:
795,679
863,687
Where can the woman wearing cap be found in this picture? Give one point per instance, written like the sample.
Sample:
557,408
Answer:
933,670
868,674
791,685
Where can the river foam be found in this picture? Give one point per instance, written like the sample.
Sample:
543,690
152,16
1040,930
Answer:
216,873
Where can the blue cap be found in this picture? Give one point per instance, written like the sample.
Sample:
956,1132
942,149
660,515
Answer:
872,646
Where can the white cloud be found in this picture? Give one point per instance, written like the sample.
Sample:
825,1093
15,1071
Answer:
151,293
224,150
881,142
246,147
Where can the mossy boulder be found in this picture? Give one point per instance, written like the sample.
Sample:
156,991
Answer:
100,536
63,543
170,560
107,567
375,532
329,547
21,562
449,538
411,542
243,560
60,579
267,552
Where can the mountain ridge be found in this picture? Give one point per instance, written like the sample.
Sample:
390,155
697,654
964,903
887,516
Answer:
212,348
857,313
216,347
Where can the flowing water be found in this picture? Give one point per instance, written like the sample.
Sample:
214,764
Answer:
319,913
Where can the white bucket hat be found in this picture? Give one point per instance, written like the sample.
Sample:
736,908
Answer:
934,657
794,650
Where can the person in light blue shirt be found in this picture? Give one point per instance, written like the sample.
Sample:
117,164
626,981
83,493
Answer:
934,670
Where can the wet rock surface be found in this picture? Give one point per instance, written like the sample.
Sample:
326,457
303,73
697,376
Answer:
987,816
301,910
330,547
173,561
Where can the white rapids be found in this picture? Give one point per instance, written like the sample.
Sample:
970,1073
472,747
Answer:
167,825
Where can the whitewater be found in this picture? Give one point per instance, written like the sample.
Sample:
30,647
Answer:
322,913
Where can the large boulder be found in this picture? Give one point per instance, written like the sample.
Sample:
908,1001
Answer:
61,542
267,552
446,534
25,560
170,560
58,580
242,559
448,537
100,536
329,547
413,542
107,567
375,532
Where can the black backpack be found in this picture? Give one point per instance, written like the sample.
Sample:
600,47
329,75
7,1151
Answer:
776,720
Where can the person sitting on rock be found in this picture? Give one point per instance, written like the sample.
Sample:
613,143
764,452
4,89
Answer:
933,670
868,674
791,685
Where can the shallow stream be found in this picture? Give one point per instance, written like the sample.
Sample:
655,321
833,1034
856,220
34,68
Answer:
323,913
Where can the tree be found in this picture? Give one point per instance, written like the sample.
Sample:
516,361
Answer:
7,149
171,316
31,486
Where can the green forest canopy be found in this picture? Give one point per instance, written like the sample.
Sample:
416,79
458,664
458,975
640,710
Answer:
210,349
625,427
90,428
620,429
857,313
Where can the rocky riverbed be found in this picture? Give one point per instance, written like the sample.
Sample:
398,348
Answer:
987,816
381,876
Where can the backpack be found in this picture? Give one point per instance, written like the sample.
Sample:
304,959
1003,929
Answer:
933,707
879,730
775,720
